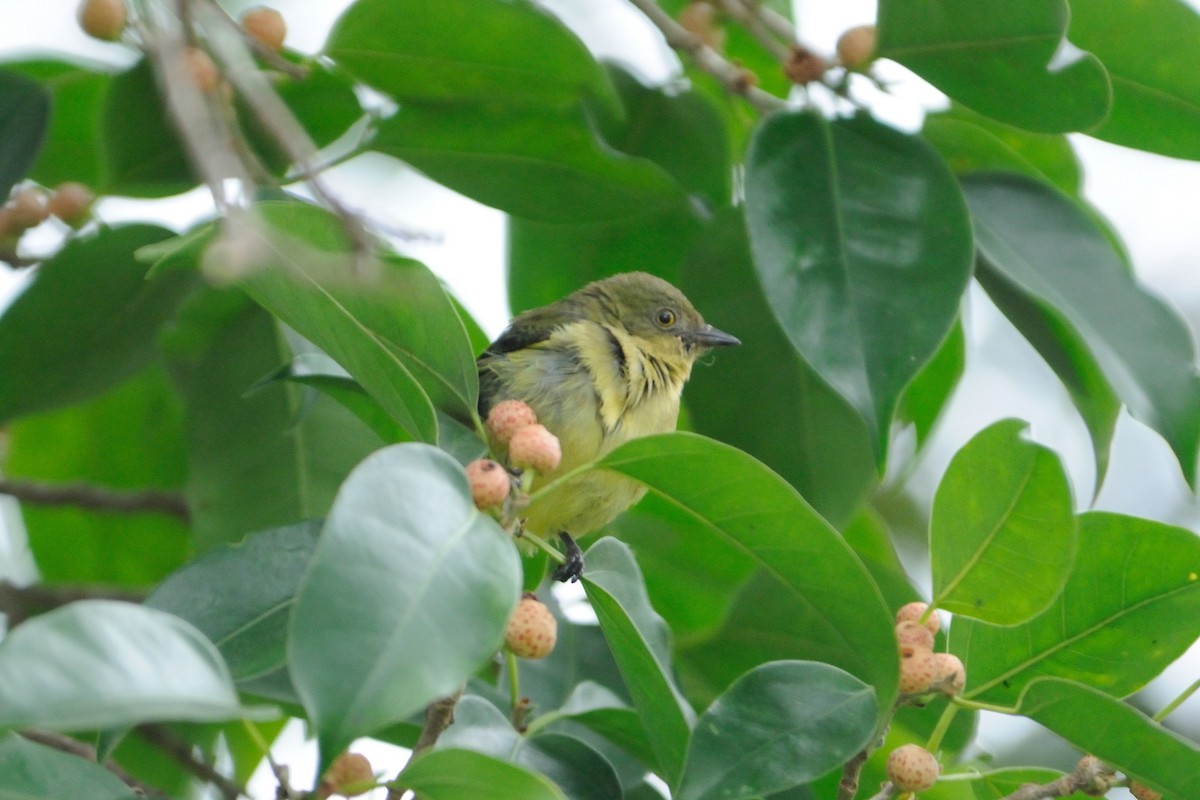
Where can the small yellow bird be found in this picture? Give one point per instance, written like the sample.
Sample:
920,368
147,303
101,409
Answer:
604,365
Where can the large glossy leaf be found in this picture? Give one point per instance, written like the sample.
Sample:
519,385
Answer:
926,397
863,246
546,166
86,323
1130,607
129,438
1148,47
510,53
1003,58
640,644
24,118
1047,247
263,458
30,771
241,596
754,509
1117,734
1002,537
101,663
404,560
467,775
826,453
779,726
142,153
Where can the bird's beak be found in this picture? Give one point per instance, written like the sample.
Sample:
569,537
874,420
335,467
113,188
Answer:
708,336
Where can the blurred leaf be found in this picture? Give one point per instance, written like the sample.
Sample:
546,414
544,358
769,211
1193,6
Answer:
30,771
867,535
1130,607
741,500
1046,246
778,726
101,663
826,453
971,142
640,644
404,560
512,54
24,120
131,437
241,596
1148,48
926,397
545,166
862,243
265,458
142,153
72,148
467,775
602,711
1002,536
86,323
1116,733
1003,58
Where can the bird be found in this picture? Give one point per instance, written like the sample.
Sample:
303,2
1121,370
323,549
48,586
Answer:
603,365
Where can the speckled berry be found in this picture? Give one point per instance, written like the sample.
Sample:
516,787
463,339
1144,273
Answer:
507,417
489,481
533,630
912,612
349,775
103,19
534,447
951,674
912,768
856,47
913,633
266,25
918,669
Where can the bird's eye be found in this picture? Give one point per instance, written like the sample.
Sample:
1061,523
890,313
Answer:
665,317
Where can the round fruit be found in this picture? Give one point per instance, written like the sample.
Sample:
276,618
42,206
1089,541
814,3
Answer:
71,203
266,25
507,417
349,775
204,72
914,611
912,768
489,481
803,66
918,669
27,208
533,630
700,18
534,447
103,19
951,674
915,634
856,47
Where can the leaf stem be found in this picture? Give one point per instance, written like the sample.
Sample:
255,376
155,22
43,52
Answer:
514,679
1177,702
939,730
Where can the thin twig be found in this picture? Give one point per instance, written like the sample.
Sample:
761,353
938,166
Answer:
749,16
268,55
181,751
19,603
438,716
886,792
851,772
1091,776
97,498
66,744
734,78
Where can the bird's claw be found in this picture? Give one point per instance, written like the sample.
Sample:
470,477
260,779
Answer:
572,568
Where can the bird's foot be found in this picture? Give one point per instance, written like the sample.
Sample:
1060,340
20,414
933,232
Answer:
572,568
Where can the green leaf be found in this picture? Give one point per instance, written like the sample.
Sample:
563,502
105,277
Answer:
511,54
404,561
1117,734
467,775
71,150
1003,58
757,511
131,438
24,118
257,459
241,596
1130,607
779,726
1047,247
86,323
545,166
142,153
30,771
926,397
397,333
101,664
1002,537
863,245
1148,48
971,142
826,453
640,644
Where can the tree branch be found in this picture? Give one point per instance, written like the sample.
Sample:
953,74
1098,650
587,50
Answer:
181,751
97,498
19,603
439,715
66,744
1091,776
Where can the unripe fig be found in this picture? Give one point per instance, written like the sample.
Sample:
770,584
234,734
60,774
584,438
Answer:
27,208
912,768
700,18
918,669
202,69
103,19
534,447
71,203
533,630
490,483
349,775
951,674
856,47
507,417
266,25
912,633
914,611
